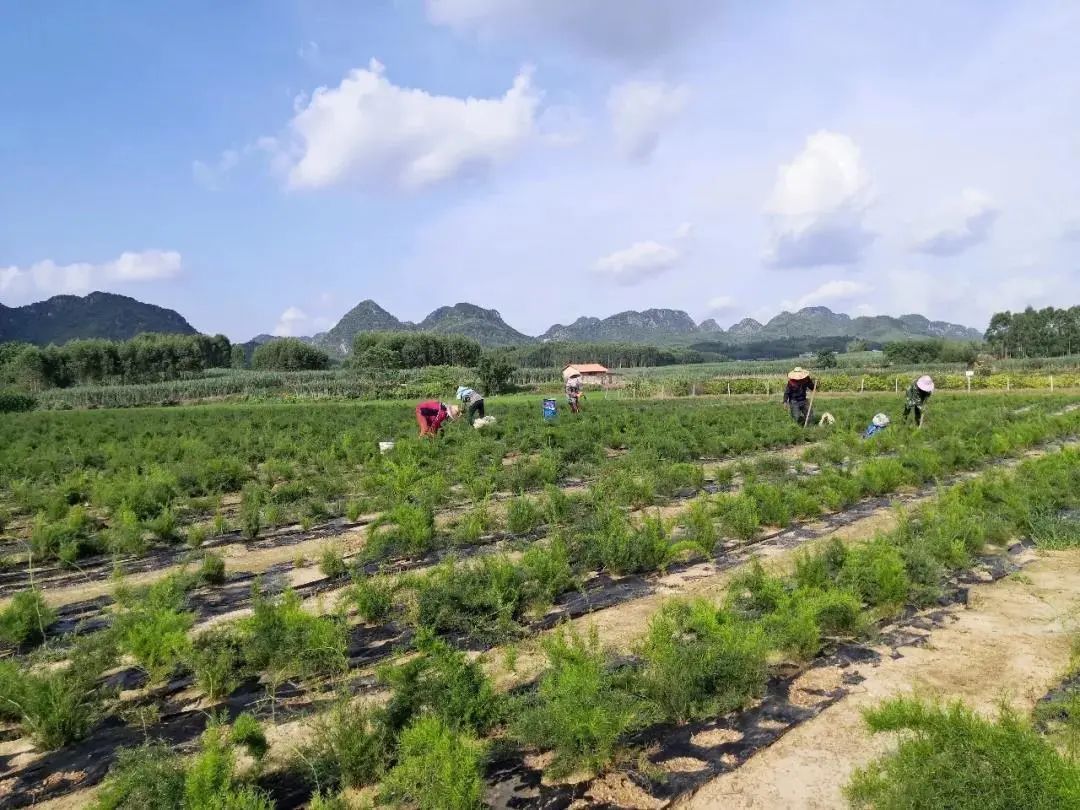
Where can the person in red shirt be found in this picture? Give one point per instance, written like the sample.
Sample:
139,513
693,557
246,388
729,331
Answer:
431,414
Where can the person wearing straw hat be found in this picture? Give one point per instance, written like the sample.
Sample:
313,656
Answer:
431,415
917,395
473,400
799,382
573,393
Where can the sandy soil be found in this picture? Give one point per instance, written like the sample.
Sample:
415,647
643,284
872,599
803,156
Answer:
1012,643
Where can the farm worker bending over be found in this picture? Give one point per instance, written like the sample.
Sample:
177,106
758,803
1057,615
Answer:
917,394
430,416
799,382
474,401
877,424
573,393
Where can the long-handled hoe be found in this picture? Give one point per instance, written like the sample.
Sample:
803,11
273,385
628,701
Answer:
810,407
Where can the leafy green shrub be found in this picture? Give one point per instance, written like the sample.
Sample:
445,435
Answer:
473,525
482,598
952,757
251,505
522,515
248,732
820,569
437,768
406,528
623,548
348,747
212,569
284,640
547,573
332,563
15,402
124,534
150,777
163,525
580,709
442,681
321,800
210,781
152,628
738,516
700,528
698,660
26,618
373,596
56,707
216,659
875,571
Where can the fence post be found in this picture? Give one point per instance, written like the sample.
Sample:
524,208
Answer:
969,384
896,384
1051,383
729,389
862,384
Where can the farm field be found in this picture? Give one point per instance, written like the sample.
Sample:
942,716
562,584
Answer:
251,606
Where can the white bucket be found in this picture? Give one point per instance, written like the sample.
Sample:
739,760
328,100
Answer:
385,447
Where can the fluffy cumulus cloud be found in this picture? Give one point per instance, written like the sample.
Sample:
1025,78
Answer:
640,261
818,204
831,292
644,260
640,111
959,225
373,132
295,322
623,30
49,278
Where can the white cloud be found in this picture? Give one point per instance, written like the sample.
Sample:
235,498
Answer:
720,305
640,261
640,111
373,132
295,322
645,260
309,51
291,323
49,278
623,30
959,225
818,204
831,292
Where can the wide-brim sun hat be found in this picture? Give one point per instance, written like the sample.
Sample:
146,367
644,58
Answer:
881,419
924,383
798,373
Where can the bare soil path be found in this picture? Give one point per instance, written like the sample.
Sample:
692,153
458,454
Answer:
1011,643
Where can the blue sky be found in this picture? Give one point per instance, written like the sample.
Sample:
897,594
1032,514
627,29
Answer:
263,167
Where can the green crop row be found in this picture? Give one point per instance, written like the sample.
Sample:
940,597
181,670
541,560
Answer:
427,743
117,481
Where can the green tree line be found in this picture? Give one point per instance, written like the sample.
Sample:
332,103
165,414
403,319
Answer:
558,354
145,358
392,350
913,352
1047,332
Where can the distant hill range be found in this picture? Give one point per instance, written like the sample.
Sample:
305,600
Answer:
117,317
97,315
657,327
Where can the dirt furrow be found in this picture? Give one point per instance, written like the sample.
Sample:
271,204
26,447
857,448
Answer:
1011,643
